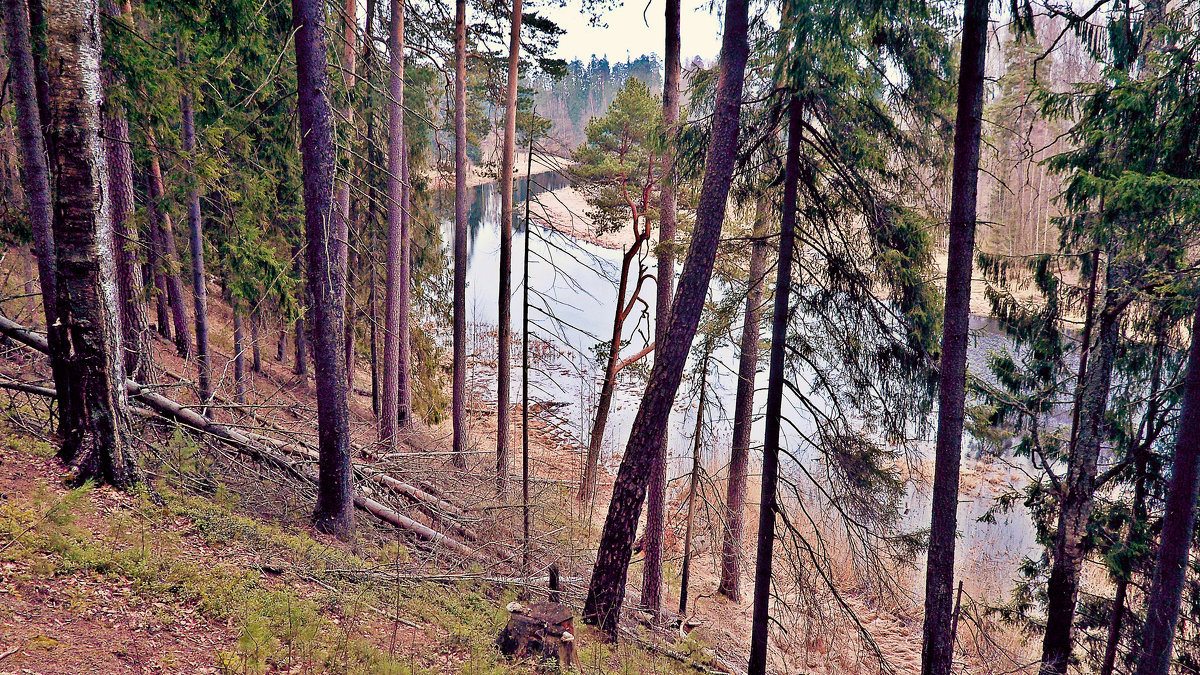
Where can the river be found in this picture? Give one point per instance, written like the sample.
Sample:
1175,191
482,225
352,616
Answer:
573,292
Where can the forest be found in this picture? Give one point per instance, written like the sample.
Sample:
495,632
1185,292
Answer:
396,336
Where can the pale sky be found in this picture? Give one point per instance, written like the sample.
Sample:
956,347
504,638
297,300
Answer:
627,33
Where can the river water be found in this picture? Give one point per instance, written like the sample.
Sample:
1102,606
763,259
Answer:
573,293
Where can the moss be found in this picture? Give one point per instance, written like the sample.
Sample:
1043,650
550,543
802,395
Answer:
276,627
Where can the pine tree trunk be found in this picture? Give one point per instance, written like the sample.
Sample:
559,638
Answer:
1178,527
656,495
196,234
458,404
937,650
393,415
35,180
761,618
326,283
125,242
161,220
607,589
504,323
743,411
1075,505
87,296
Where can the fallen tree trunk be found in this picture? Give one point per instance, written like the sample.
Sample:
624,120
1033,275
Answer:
244,442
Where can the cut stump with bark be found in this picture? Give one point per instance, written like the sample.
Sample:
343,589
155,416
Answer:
541,631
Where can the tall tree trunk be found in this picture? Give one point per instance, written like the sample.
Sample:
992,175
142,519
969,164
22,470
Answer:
342,193
35,180
656,495
937,647
161,220
393,414
504,323
743,411
761,619
1178,526
196,234
120,182
607,589
326,284
239,358
1075,504
86,303
458,404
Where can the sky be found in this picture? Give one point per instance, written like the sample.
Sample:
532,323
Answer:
628,34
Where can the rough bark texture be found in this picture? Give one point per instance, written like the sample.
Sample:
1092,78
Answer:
392,413
86,300
161,220
761,618
196,236
607,589
35,180
1075,505
1179,521
326,283
937,647
504,322
656,495
458,403
125,237
743,412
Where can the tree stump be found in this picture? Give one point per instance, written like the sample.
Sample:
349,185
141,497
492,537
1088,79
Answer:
543,631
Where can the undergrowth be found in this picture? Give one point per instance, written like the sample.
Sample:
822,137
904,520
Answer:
293,603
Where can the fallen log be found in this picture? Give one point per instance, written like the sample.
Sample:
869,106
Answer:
242,442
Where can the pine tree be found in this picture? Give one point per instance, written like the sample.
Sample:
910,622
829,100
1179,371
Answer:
326,282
